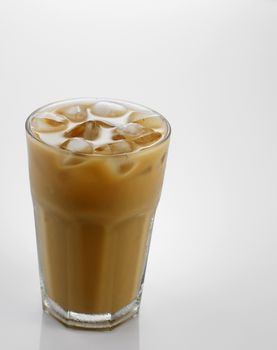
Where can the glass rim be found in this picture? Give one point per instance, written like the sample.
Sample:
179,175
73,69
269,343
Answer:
98,99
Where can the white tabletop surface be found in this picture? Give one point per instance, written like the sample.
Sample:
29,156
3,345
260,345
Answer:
211,68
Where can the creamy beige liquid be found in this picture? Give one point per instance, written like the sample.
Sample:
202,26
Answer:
96,170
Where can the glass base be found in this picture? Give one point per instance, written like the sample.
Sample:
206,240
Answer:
90,321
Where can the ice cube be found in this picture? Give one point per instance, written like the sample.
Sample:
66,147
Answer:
120,165
129,130
163,157
147,138
48,122
104,124
121,146
75,113
77,146
72,160
137,108
88,130
108,109
146,120
104,149
117,137
117,147
146,170
126,166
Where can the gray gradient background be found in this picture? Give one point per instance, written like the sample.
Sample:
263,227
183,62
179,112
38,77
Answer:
211,68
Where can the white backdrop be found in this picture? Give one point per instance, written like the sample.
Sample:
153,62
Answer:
210,67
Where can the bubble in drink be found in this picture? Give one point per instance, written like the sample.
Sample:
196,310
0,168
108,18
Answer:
147,121
88,130
48,122
75,113
108,109
77,146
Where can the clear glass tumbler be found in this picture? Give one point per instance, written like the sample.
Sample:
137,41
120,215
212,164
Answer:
94,215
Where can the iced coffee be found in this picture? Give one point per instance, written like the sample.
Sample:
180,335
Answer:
96,171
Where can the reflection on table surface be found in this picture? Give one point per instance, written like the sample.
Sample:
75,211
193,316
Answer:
54,335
